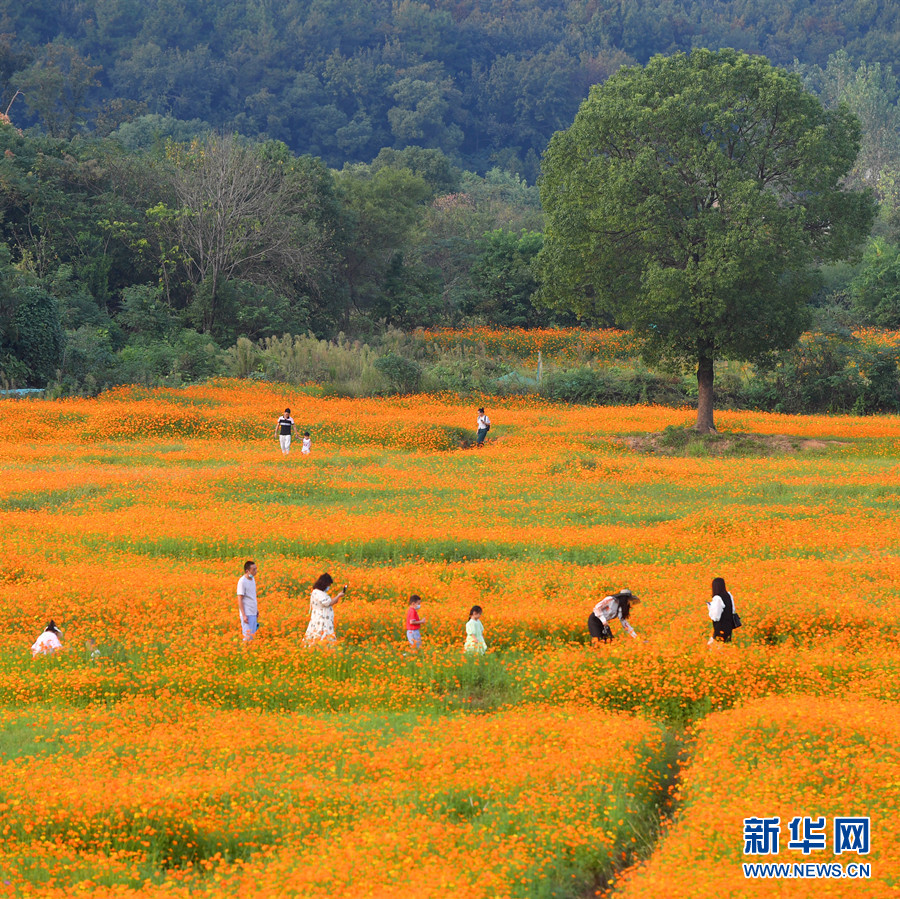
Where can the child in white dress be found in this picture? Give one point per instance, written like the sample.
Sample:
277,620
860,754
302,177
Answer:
306,449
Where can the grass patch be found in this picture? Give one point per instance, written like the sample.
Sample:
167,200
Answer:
376,552
30,735
42,500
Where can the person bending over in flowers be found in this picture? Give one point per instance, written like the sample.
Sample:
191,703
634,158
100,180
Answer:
48,642
616,605
475,632
321,609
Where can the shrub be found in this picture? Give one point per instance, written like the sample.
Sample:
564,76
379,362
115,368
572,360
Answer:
833,372
612,386
88,362
403,375
342,366
38,333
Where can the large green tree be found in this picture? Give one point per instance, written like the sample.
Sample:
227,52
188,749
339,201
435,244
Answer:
690,200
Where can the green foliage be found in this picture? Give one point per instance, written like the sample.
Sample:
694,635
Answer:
143,311
56,87
468,375
383,207
487,83
689,200
832,372
403,375
38,335
612,387
432,165
152,131
89,362
876,287
503,282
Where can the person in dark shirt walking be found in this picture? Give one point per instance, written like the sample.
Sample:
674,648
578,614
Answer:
284,429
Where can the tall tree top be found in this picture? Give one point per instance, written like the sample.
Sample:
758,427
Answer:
689,199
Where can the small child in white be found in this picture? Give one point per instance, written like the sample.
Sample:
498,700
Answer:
306,449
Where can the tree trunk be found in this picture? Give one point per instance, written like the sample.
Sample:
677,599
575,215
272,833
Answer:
705,397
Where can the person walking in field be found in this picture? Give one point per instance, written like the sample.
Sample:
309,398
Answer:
475,632
483,426
414,622
721,612
246,601
48,642
321,609
284,429
306,448
616,605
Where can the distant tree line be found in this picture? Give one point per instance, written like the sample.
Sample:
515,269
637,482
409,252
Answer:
139,242
486,82
123,265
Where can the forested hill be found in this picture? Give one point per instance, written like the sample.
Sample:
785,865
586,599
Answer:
487,81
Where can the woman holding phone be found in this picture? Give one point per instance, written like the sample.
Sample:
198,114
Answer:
321,609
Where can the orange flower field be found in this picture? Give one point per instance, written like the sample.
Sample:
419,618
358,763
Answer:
178,761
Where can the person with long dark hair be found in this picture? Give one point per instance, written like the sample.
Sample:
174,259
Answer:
721,612
616,605
321,609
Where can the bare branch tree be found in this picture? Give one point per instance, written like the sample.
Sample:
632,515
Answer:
241,216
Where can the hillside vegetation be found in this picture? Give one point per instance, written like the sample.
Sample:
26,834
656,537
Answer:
359,169
486,82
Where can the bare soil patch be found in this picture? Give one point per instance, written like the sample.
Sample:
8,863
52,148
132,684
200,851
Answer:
675,441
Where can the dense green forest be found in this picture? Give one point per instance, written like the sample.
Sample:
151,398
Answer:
176,178
486,81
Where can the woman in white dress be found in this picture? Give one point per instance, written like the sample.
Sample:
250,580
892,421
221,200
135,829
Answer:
321,609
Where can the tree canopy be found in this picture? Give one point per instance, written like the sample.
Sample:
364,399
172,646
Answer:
689,200
487,82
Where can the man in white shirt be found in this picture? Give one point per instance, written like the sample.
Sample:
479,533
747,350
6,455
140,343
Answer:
246,600
484,425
